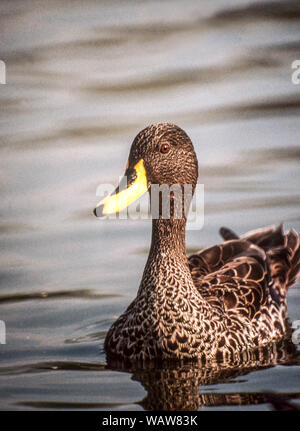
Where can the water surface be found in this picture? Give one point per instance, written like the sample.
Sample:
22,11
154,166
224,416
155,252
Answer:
82,79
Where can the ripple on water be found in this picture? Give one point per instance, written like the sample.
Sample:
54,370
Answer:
74,102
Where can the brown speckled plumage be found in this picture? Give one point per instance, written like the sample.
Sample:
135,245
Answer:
219,302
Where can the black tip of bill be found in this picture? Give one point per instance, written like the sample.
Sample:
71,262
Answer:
98,211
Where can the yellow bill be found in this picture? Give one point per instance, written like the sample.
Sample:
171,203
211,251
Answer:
137,185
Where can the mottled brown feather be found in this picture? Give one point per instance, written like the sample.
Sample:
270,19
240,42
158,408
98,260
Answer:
215,305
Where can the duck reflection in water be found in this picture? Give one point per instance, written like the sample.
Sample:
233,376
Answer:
177,386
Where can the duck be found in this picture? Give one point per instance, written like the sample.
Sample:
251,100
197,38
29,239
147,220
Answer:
218,303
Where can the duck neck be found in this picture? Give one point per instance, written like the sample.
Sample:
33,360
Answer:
167,258
168,238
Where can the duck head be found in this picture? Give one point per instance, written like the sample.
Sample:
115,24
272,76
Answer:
161,154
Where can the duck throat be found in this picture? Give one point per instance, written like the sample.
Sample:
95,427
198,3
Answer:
169,212
167,264
168,238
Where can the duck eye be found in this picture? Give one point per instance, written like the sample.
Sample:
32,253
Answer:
165,148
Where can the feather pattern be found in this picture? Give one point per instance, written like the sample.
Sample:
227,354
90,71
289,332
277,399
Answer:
220,302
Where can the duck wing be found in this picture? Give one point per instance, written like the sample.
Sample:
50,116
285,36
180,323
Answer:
243,275
234,276
283,255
